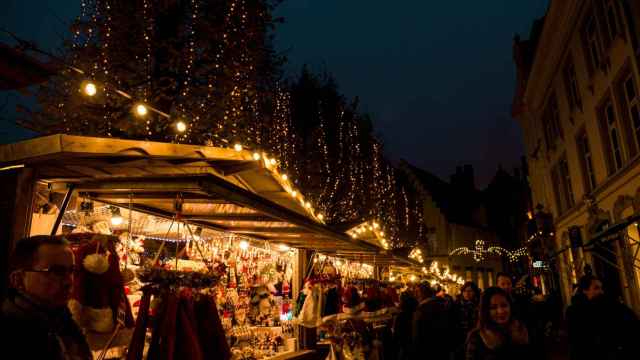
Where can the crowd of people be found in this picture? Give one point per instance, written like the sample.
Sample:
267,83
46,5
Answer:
502,323
497,323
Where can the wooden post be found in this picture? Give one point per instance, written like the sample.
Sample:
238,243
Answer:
16,206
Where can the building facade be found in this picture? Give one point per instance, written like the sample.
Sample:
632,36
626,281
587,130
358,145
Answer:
455,217
578,101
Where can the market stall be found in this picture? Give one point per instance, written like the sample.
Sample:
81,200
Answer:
225,225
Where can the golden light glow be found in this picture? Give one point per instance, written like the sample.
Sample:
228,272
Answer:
237,147
320,216
284,247
181,126
244,245
256,156
284,177
141,110
89,88
273,161
294,193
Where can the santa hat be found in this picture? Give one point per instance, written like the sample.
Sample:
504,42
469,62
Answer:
98,290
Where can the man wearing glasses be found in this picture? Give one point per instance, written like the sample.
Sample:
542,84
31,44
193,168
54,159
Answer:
35,322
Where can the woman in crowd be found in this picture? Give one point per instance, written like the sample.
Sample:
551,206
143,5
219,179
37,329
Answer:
498,335
466,314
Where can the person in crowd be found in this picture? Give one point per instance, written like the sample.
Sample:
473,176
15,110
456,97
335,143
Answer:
504,282
520,303
402,326
498,335
600,327
466,310
35,322
433,326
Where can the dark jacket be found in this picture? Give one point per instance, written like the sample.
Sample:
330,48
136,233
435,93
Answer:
433,330
32,332
466,313
493,345
601,329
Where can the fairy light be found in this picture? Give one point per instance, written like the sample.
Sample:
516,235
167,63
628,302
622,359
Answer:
89,88
237,147
181,126
141,110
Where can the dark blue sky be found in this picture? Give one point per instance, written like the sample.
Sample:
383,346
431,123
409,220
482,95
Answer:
437,76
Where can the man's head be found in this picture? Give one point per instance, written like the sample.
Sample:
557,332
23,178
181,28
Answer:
591,287
425,292
42,267
504,282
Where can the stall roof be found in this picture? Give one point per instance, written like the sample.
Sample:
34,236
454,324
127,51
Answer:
221,189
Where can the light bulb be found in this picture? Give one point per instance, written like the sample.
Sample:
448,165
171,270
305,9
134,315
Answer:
273,161
181,126
141,110
284,177
90,89
294,193
244,245
237,147
284,247
116,220
256,156
307,205
320,216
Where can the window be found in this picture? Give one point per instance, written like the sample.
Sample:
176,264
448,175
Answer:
584,150
571,83
551,123
632,105
561,176
611,136
592,43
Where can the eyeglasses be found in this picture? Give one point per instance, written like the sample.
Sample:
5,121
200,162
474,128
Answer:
57,270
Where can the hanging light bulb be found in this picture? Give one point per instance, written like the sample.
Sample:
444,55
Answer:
237,147
284,247
181,126
244,245
116,218
89,88
141,110
256,156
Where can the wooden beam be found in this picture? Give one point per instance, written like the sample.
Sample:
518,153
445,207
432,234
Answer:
228,168
149,197
267,229
231,217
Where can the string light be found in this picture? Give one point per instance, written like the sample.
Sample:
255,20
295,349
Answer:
141,110
181,126
89,88
479,252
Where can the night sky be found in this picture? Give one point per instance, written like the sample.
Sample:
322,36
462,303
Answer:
437,76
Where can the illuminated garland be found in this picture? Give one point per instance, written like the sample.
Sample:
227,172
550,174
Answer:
479,252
